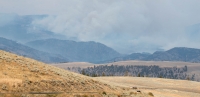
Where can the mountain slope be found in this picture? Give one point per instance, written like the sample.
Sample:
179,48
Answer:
176,54
24,75
11,46
133,56
76,51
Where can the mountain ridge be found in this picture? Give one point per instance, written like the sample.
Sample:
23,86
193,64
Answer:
20,49
176,54
184,54
56,51
76,51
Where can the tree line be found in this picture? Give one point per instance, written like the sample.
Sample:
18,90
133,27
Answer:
136,71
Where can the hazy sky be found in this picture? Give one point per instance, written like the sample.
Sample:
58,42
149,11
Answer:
125,25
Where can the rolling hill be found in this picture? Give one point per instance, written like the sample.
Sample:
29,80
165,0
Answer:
19,49
20,76
76,51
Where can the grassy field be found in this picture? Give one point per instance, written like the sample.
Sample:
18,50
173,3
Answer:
159,87
194,66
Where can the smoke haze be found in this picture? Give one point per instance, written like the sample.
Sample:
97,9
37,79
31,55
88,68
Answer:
125,25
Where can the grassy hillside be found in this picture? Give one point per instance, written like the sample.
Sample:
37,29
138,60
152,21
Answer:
26,76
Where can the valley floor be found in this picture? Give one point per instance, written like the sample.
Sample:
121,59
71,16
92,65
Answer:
158,86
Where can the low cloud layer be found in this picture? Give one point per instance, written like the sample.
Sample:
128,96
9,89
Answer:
127,26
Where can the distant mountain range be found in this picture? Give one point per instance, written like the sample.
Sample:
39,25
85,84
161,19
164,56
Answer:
76,51
41,47
175,54
22,29
19,49
55,50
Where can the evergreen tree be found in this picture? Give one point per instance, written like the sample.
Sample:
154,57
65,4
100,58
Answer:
83,72
103,74
138,75
126,73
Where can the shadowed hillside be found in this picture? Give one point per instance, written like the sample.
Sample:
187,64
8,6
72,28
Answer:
133,56
176,54
12,46
183,54
76,51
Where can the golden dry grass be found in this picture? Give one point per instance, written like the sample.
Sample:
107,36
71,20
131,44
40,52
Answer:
158,86
24,75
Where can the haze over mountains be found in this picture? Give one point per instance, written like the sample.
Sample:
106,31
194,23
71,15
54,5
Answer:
56,51
21,29
175,54
76,51
47,46
20,49
26,28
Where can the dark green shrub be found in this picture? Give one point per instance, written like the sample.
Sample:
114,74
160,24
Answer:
104,93
151,94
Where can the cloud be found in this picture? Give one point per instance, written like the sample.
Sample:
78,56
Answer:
127,26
